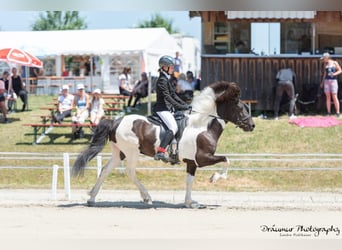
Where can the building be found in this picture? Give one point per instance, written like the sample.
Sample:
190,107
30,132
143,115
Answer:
227,52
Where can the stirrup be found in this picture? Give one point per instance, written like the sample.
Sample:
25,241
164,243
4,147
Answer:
161,156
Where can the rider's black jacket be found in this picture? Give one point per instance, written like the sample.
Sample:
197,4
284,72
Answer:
167,98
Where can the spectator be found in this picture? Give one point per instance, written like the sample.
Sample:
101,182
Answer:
65,105
35,72
2,100
191,79
139,91
125,86
87,65
178,63
96,107
285,83
184,88
18,87
240,47
11,96
331,70
198,83
81,103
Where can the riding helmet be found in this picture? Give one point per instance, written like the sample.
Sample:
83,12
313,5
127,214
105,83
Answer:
166,61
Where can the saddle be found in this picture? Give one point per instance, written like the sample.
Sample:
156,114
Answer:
181,120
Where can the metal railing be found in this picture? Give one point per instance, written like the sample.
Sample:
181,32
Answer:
311,158
62,160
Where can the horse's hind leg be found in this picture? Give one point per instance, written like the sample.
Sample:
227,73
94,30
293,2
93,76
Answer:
132,159
111,164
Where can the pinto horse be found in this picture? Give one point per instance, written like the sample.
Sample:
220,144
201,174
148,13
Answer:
132,135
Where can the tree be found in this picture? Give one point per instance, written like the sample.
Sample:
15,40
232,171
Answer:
158,21
59,20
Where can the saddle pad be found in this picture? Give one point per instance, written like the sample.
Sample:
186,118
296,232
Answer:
316,121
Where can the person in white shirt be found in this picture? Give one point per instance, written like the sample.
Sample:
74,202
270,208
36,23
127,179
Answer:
65,105
125,85
96,107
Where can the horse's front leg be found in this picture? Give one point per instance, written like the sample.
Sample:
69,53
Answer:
223,173
191,169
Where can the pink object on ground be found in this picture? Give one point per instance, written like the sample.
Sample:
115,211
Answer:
316,121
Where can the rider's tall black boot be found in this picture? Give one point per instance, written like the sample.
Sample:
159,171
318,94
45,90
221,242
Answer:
160,155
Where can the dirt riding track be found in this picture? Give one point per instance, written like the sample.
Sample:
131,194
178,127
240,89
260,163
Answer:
33,215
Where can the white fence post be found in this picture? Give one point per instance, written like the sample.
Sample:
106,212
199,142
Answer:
54,182
99,165
66,175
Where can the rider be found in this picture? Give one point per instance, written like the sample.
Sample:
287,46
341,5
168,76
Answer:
167,102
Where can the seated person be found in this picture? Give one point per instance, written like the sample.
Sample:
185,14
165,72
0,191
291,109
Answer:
184,88
81,103
191,79
11,96
125,82
18,87
285,83
65,105
96,107
3,108
140,90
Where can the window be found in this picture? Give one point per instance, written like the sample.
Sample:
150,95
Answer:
296,38
265,38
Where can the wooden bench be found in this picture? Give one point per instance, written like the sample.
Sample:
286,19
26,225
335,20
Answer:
44,118
249,103
44,126
112,111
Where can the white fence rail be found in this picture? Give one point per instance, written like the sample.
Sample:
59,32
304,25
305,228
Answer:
55,161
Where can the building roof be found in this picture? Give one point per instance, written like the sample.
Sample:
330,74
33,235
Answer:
270,14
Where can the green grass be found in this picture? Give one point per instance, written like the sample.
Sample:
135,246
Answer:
269,137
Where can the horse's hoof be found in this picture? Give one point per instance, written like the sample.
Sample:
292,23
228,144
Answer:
194,205
214,177
147,201
90,203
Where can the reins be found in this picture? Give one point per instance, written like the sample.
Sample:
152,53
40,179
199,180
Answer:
214,116
239,122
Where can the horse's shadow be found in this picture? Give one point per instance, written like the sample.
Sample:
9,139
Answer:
135,205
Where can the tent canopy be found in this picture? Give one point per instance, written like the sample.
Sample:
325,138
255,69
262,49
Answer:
92,42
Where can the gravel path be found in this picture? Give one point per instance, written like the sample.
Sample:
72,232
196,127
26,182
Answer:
33,215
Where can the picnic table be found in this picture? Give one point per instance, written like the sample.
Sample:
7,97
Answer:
114,103
44,128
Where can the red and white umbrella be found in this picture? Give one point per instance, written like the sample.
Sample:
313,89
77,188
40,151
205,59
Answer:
19,56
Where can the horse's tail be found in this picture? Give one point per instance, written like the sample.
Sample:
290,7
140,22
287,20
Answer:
98,141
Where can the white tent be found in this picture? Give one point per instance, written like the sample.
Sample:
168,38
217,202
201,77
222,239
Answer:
145,44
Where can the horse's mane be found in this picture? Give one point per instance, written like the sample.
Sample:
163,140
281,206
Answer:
205,101
226,91
204,104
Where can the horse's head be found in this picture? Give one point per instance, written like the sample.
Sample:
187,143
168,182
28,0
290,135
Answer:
229,106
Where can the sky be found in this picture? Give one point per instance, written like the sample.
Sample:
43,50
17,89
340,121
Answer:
23,20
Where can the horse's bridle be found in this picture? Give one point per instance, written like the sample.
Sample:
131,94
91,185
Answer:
214,116
239,122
